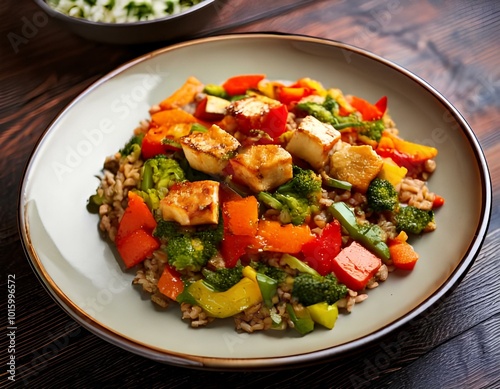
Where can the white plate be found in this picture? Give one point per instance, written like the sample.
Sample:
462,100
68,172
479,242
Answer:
83,274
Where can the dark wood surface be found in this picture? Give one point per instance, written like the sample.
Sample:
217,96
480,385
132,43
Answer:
451,44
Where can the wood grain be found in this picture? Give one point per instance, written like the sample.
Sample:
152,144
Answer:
451,44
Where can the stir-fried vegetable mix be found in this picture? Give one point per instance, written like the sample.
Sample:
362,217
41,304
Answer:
277,204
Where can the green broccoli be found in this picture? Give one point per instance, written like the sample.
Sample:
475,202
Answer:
372,130
189,248
223,279
305,183
297,198
328,112
132,146
317,110
169,229
382,196
309,289
412,220
276,273
186,253
158,175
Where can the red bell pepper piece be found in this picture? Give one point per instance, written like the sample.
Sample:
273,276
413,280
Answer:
238,85
137,216
355,265
382,104
368,111
274,123
136,247
320,252
134,239
170,283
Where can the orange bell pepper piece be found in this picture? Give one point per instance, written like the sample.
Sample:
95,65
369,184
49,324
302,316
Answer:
136,247
241,217
184,95
288,238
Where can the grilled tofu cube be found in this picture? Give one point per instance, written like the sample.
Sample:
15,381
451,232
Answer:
357,165
209,151
192,203
262,167
313,141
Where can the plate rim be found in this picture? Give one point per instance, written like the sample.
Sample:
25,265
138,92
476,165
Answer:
257,363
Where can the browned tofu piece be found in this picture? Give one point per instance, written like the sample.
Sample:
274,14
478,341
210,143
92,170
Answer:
313,141
262,167
192,203
357,165
209,151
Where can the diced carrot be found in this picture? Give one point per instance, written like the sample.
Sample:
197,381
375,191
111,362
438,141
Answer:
173,116
136,247
368,111
137,216
355,265
403,256
238,85
184,95
170,283
241,217
283,238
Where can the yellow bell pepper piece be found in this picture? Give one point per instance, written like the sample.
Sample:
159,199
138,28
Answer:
392,172
324,314
239,297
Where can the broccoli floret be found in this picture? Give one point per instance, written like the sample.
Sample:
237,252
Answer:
297,198
132,146
222,279
158,175
309,289
317,110
305,183
277,274
412,220
189,248
161,172
382,196
186,253
372,130
168,229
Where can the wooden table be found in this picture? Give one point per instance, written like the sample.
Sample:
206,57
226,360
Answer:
451,44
